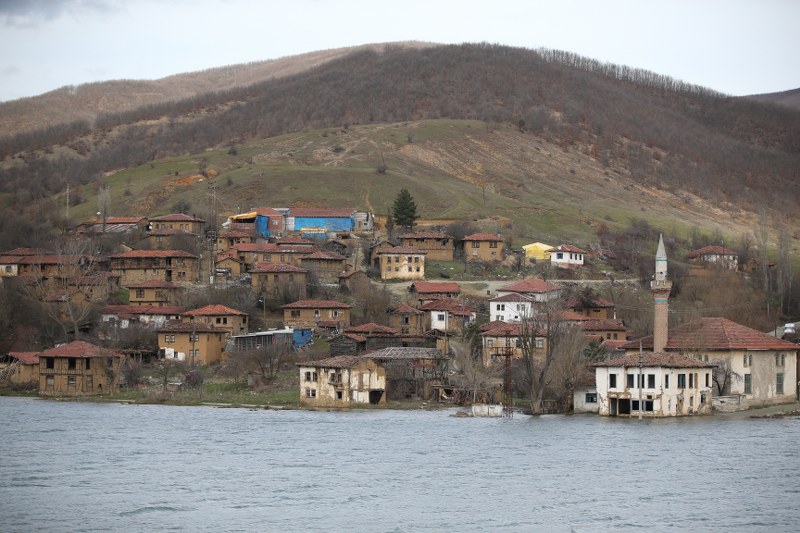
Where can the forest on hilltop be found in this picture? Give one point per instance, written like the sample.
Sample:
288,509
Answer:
669,134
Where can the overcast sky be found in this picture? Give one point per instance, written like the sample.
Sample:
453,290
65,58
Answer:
733,46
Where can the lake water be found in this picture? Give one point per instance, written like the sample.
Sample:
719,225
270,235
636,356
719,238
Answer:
101,467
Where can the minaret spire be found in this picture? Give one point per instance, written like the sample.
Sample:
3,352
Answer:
660,287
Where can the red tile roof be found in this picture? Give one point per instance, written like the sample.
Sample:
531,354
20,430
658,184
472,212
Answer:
153,253
716,334
567,248
215,309
530,285
114,220
710,250
268,212
483,237
256,247
491,325
133,310
428,287
317,304
404,353
27,251
298,241
650,360
79,349
274,268
26,358
229,254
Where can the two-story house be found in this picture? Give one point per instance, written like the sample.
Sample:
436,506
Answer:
324,314
197,343
78,368
399,262
274,279
484,247
231,320
138,266
437,246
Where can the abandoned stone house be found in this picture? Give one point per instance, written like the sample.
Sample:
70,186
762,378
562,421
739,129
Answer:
342,380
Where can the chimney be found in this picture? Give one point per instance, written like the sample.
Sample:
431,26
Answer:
660,287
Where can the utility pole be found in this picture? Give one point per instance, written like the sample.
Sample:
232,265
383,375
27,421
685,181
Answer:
641,358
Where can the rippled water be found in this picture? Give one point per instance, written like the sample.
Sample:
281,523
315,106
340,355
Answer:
100,467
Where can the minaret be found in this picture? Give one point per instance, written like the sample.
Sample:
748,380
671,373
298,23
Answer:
660,287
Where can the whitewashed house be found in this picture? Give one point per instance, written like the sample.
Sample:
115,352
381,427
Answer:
658,384
511,307
566,255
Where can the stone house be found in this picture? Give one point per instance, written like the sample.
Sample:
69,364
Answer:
341,381
484,247
326,314
399,262
275,279
137,266
438,246
193,342
594,307
368,337
607,329
411,372
326,266
353,280
78,368
227,239
508,339
658,384
227,264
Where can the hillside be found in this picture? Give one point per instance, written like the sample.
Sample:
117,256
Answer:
557,143
84,103
790,99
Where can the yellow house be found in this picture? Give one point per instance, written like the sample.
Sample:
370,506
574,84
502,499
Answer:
483,247
193,342
78,368
538,250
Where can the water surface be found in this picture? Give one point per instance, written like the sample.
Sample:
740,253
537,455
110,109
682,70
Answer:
100,467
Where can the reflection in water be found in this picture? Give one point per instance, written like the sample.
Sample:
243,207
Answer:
98,467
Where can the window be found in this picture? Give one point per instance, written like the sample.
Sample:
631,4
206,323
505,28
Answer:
651,381
666,381
311,376
630,381
648,406
780,359
559,255
490,343
72,363
192,337
404,320
89,382
72,382
612,381
140,293
708,379
295,313
540,343
311,393
681,381
316,313
691,380
501,307
783,359
338,395
50,382
88,364
440,317
410,268
493,244
779,383
476,244
591,397
335,313
748,384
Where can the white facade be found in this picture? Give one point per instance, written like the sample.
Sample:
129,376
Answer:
585,400
447,321
507,310
663,391
567,256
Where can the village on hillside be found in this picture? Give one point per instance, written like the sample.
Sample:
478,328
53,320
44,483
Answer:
346,308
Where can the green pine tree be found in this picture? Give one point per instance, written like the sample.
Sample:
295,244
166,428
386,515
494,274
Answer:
404,210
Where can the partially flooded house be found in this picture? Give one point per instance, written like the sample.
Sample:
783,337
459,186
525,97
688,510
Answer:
341,381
